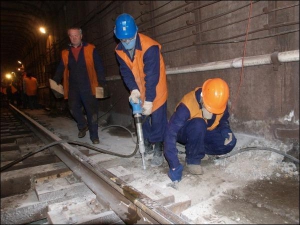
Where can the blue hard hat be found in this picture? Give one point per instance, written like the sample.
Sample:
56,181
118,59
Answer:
125,27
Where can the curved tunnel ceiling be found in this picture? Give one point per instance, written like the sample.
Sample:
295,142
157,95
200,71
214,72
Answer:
20,21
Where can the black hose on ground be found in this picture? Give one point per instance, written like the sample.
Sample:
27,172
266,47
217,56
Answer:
248,149
259,148
30,154
136,149
70,142
77,143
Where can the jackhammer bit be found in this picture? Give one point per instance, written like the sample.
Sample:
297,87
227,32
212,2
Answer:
137,112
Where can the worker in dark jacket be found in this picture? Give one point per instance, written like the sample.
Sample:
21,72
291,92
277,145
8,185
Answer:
143,70
82,71
200,122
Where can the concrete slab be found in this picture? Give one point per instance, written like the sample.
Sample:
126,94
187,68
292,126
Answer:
172,199
9,147
10,155
204,213
20,181
26,208
26,139
25,148
59,188
158,194
122,173
85,210
181,201
28,162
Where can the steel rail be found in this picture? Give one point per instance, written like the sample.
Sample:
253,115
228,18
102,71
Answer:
132,206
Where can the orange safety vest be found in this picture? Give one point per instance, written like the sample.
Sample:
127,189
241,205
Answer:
31,86
190,101
13,89
89,60
3,90
137,68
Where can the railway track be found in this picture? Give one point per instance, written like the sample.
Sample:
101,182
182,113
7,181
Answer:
48,178
58,184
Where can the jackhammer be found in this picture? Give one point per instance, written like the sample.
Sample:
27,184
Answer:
137,113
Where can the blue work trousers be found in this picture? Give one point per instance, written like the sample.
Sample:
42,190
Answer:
32,101
154,126
83,99
199,141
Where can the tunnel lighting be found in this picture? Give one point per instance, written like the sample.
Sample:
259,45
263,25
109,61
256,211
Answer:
43,30
8,76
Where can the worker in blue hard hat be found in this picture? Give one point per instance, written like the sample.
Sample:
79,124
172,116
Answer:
142,68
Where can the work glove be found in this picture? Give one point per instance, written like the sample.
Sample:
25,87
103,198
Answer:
147,108
135,96
227,134
176,174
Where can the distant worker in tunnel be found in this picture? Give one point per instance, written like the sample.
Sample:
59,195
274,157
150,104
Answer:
142,68
30,86
82,71
200,122
24,96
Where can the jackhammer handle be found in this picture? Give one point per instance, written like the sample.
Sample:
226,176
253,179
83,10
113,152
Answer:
136,107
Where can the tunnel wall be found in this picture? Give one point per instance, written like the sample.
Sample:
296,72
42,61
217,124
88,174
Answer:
264,99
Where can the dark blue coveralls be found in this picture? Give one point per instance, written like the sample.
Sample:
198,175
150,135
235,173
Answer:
153,126
194,135
80,92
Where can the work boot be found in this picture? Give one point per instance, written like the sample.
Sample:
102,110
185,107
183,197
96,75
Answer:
148,147
82,132
96,141
158,157
194,169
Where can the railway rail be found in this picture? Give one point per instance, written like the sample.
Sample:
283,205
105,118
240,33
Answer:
48,178
62,185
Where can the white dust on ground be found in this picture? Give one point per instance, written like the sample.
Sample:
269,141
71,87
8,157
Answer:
220,175
248,165
257,163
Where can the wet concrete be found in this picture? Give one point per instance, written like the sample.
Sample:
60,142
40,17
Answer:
274,201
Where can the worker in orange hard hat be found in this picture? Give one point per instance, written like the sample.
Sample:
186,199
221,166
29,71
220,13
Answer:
200,122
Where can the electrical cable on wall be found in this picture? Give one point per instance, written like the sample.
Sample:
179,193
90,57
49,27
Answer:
244,53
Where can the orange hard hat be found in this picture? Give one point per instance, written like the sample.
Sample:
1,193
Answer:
215,94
